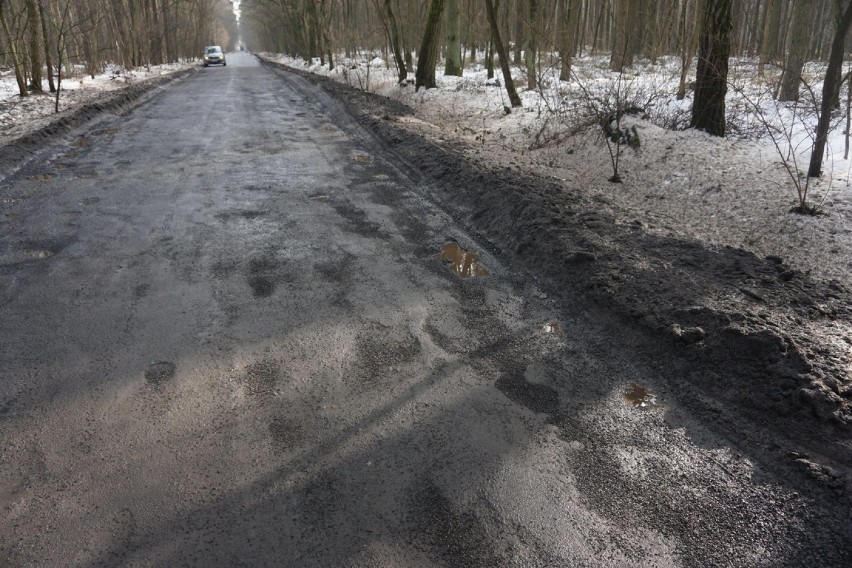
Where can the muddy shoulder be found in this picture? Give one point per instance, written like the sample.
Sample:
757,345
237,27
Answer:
756,350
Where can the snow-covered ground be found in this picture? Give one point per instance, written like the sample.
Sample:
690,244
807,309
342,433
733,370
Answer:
736,191
21,115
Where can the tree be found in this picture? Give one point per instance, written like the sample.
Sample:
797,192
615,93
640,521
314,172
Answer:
34,23
568,25
531,44
771,32
453,64
797,50
13,50
830,87
514,99
427,59
392,30
711,79
625,21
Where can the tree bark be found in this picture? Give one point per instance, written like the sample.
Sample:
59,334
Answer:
427,59
711,82
830,88
514,99
769,43
453,64
567,26
531,44
624,46
797,50
48,58
34,23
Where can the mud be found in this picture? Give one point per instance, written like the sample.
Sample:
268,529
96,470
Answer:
759,350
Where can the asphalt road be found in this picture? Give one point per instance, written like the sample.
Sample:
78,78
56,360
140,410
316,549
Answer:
229,338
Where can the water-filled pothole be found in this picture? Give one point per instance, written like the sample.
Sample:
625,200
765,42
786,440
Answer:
639,396
464,263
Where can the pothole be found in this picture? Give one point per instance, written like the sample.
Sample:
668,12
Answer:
81,143
464,263
158,373
320,198
364,158
639,396
552,327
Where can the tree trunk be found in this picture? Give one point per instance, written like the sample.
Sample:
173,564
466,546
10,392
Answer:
531,44
519,31
797,50
567,27
427,59
453,64
771,27
13,51
711,82
688,33
48,58
830,88
393,34
625,23
34,24
514,99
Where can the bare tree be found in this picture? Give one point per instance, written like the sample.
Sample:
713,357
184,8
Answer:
797,50
453,64
14,52
428,57
830,88
711,82
514,99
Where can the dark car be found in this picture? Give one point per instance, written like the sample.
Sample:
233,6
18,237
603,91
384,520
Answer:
213,55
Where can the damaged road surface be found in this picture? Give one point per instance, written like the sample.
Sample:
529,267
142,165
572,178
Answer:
238,330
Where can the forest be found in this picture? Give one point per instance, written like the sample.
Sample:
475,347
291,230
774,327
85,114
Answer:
43,38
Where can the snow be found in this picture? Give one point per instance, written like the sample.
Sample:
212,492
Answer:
735,191
20,115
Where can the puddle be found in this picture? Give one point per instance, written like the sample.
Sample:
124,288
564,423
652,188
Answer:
41,177
639,396
105,131
552,327
463,263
